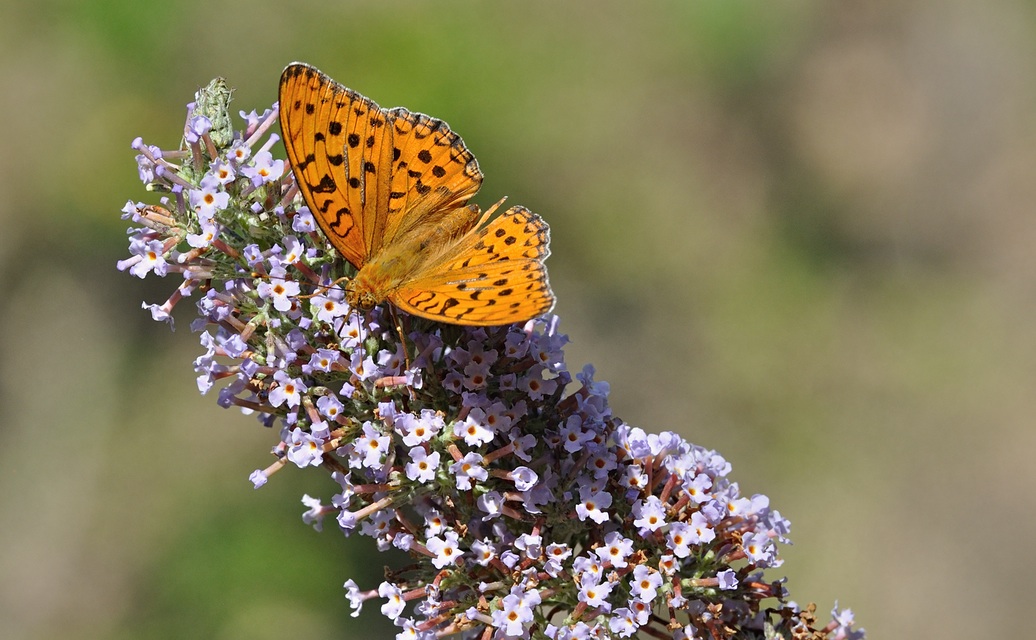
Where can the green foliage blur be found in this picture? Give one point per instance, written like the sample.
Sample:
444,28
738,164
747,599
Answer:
799,232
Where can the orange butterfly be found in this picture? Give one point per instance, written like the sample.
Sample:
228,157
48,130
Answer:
389,188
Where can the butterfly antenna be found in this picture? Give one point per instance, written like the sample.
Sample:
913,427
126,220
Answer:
489,212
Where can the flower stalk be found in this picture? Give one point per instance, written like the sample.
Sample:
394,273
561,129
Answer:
530,509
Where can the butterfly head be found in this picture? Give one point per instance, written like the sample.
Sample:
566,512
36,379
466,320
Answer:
359,296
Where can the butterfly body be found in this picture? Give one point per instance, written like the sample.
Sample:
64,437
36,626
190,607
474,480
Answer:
408,254
389,189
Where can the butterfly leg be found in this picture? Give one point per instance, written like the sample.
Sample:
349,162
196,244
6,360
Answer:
402,336
325,288
402,341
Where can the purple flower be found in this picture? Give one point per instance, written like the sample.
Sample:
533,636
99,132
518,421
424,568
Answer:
304,449
592,504
292,250
490,503
314,515
843,622
516,612
238,153
253,119
698,488
530,545
645,583
758,548
330,406
363,366
263,169
258,478
467,469
223,172
279,290
330,306
615,549
395,602
147,257
444,549
483,552
524,478
147,160
595,594
209,199
649,513
288,390
322,360
303,222
727,579
370,447
701,532
209,232
422,465
534,384
473,429
197,126
253,255
623,623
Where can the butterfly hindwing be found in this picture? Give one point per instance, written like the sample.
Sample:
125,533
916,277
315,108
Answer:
495,275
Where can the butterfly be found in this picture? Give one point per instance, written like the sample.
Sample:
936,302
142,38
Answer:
390,188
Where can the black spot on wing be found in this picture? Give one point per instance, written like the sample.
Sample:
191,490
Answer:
326,185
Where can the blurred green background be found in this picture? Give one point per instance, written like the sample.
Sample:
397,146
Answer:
800,233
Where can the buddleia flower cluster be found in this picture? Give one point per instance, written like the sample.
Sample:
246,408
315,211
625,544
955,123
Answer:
529,508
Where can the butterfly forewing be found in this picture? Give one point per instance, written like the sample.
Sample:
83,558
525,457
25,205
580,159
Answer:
317,115
363,170
367,146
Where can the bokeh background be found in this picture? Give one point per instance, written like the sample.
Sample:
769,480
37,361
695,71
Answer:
800,233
